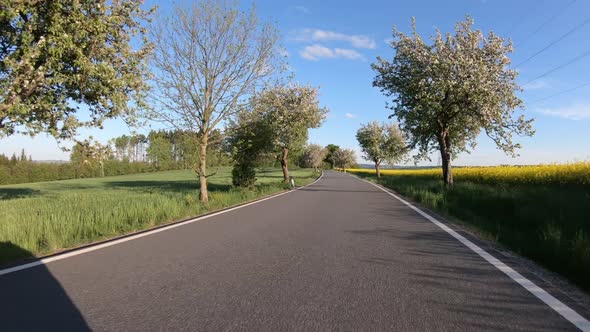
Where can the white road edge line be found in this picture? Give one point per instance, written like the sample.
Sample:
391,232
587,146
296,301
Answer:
560,307
73,253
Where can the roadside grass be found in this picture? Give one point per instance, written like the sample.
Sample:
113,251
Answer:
46,217
547,221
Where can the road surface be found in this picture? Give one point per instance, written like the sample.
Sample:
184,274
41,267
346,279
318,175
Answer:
340,254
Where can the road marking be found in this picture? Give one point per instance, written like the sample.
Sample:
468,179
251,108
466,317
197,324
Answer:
110,243
560,307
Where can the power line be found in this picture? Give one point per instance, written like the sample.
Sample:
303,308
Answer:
523,13
554,42
527,38
561,92
583,55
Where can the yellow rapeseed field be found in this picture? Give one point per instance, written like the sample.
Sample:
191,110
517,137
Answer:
573,173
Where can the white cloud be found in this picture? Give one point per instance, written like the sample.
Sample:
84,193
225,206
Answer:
317,35
350,115
578,111
348,54
301,9
316,52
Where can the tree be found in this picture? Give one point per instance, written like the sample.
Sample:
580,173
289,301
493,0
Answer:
57,55
207,59
313,156
91,153
288,112
446,93
121,147
247,140
381,143
331,149
160,151
344,158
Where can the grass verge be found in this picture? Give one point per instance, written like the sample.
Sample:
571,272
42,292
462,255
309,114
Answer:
41,218
547,223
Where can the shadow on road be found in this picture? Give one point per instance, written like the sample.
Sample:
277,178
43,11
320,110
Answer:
455,279
337,190
34,300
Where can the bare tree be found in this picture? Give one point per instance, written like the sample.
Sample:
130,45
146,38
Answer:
208,58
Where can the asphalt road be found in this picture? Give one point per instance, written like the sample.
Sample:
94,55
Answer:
338,255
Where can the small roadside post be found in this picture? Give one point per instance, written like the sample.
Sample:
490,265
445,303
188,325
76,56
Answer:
292,181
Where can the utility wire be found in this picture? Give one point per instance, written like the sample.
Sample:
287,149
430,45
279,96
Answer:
561,92
555,42
527,38
583,55
523,13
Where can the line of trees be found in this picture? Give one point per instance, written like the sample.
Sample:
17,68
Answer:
273,124
330,156
22,169
131,147
210,64
127,154
207,65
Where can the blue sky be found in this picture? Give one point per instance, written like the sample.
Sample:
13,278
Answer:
331,44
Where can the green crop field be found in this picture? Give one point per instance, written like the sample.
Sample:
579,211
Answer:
46,217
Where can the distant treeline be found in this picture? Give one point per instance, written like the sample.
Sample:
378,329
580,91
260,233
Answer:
128,154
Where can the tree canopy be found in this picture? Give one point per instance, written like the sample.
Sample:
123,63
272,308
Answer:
56,56
445,93
288,112
248,140
344,158
381,142
313,156
331,149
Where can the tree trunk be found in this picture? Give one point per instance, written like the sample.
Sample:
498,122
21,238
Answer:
203,193
447,171
378,169
284,165
101,169
445,154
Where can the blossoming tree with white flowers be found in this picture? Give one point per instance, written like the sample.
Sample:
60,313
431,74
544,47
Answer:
447,92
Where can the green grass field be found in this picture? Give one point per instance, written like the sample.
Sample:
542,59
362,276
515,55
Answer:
547,222
46,217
